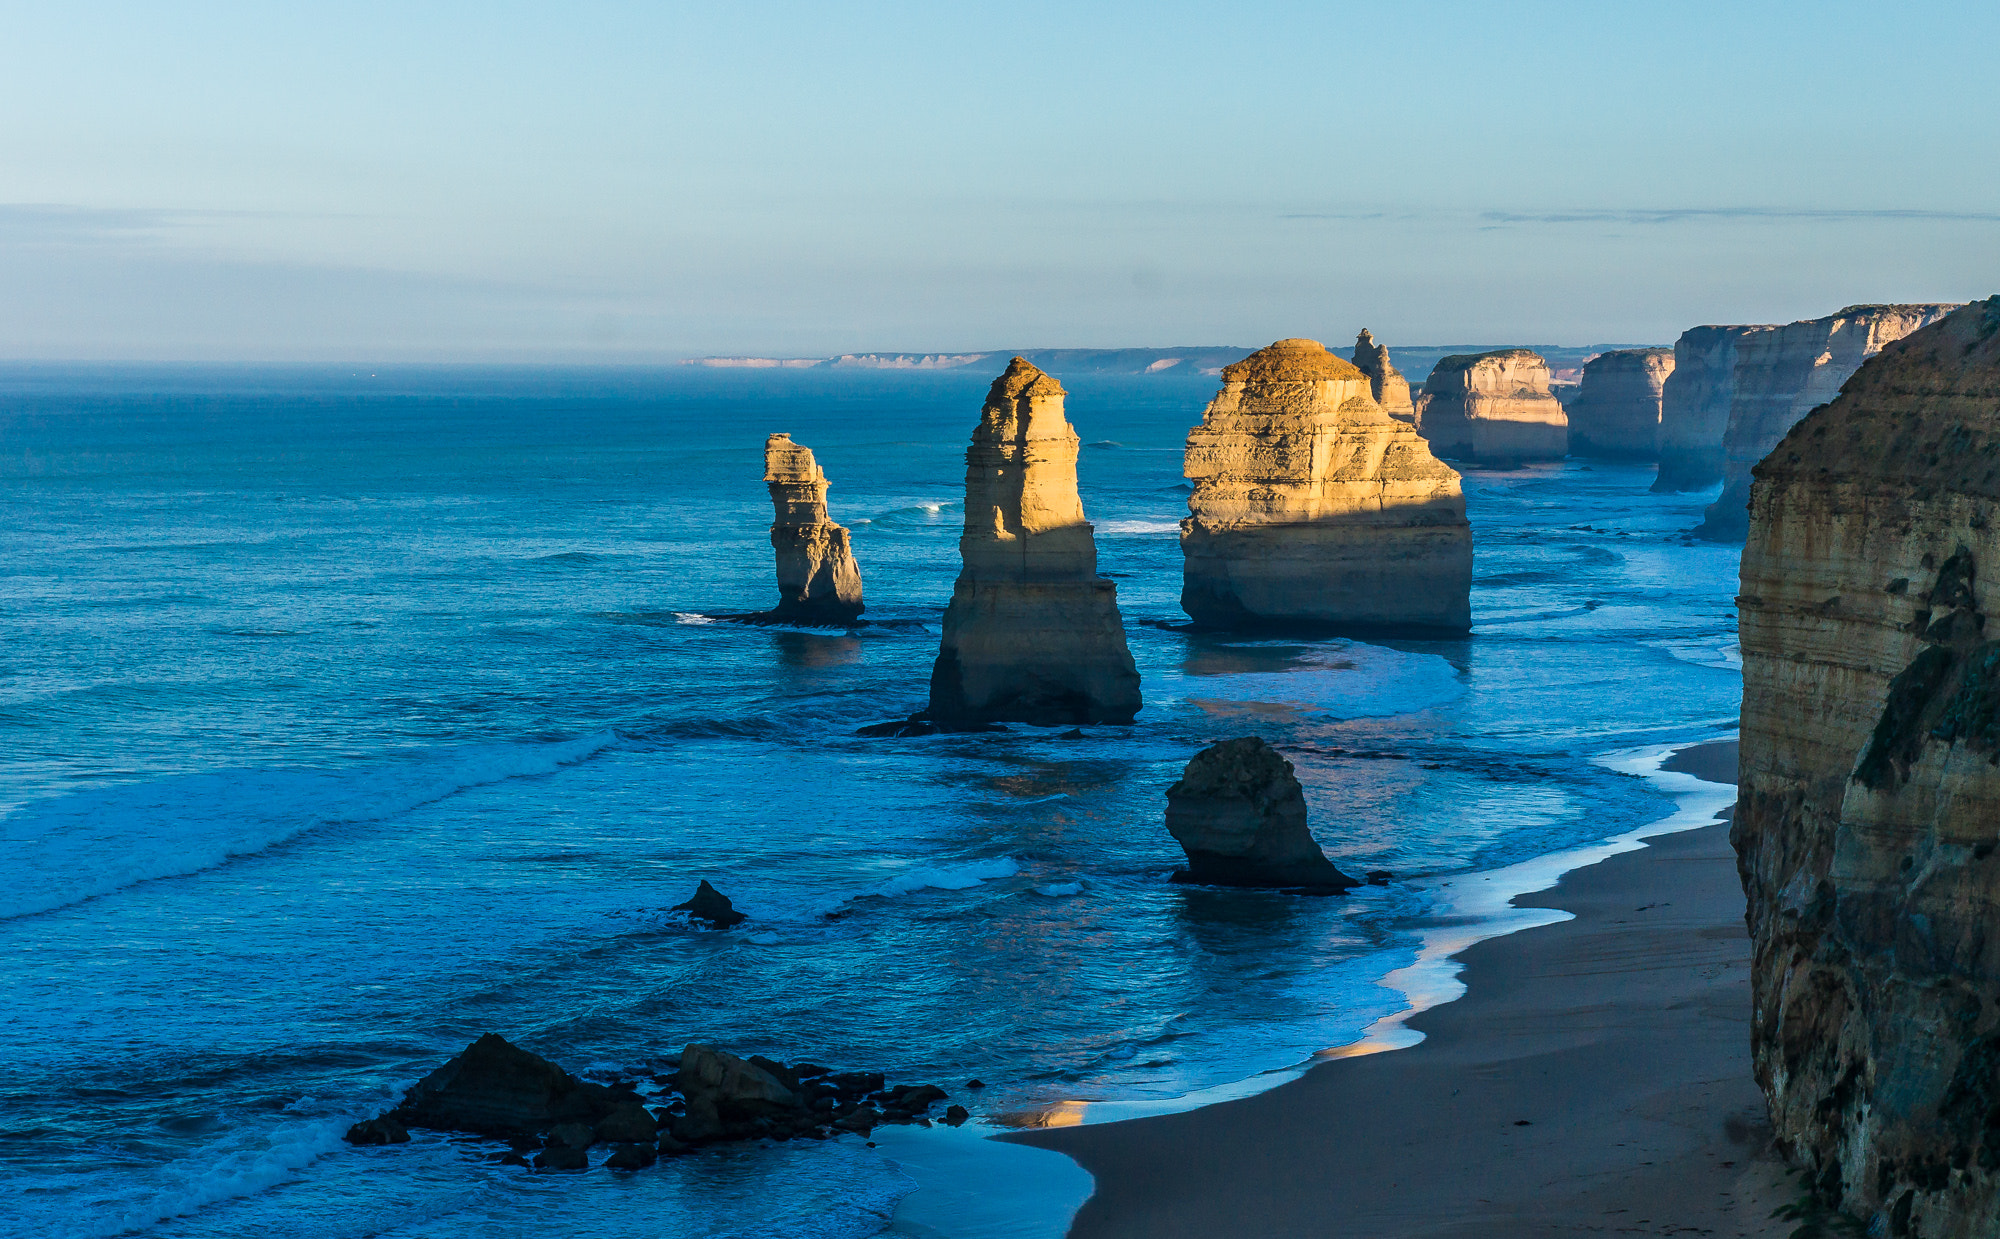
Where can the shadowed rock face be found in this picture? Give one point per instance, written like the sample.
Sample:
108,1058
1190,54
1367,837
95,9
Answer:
494,1088
818,580
1032,634
1694,407
1782,374
1868,826
1240,815
1312,506
1493,407
1616,411
1386,383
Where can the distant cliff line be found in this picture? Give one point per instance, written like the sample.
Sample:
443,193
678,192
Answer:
1192,360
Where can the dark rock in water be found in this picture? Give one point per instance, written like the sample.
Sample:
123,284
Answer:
1240,815
670,1147
735,1098
571,1136
562,1157
628,1124
1380,877
922,724
383,1130
975,1084
698,1124
632,1157
956,1115
858,1082
862,1119
711,905
494,1088
1074,733
915,1098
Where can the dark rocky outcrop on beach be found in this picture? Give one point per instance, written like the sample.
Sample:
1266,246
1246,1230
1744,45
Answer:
1386,383
1868,824
1615,413
818,580
494,1088
711,905
1033,634
1783,373
1494,408
1312,506
1240,815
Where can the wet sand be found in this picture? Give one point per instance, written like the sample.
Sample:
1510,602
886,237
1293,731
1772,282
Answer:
1595,1079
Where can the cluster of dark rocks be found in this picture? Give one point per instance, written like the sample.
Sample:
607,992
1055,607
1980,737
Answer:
551,1119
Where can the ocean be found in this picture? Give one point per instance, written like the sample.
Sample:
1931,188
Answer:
348,714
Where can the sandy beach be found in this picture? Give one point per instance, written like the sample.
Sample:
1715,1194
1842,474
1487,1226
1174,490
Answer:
1595,1079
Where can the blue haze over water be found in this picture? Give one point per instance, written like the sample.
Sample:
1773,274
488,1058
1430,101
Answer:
346,716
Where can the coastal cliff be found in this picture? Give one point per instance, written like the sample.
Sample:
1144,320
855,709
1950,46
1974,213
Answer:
1869,807
1782,374
1032,634
1616,410
1313,506
818,580
1494,408
1694,407
1386,383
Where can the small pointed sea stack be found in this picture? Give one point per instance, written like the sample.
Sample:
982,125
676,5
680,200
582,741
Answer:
1386,383
1616,411
1033,634
818,580
1495,408
1240,815
1313,507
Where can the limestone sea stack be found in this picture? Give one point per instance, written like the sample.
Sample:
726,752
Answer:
1786,372
1032,634
1615,413
818,580
1312,506
1240,815
1495,408
1868,824
1386,383
1694,407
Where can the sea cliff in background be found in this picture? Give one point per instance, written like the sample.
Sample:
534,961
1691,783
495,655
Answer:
1493,408
1616,410
1866,825
1694,407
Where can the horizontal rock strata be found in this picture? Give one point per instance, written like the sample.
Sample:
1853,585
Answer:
1495,408
1868,829
1616,410
1240,815
1386,383
818,580
1694,407
1032,634
1313,506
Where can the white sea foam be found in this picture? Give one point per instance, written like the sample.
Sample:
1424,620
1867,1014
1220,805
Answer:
1346,679
949,877
1138,526
692,617
1057,890
1722,653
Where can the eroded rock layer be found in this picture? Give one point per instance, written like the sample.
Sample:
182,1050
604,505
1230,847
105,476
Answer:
1032,634
1240,815
1616,410
1386,383
1782,374
1694,407
818,580
1868,828
1313,506
1494,408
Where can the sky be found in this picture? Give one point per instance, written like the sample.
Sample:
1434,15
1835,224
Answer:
608,181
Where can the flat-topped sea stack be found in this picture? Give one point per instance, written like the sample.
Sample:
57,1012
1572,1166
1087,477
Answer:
1240,815
1868,824
818,580
1786,372
1694,407
1615,413
1313,507
1032,634
1494,408
1386,383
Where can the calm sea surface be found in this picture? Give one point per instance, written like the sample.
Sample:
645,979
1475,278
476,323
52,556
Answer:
345,716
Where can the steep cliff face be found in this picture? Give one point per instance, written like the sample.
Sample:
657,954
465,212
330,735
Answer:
1616,410
1494,408
1784,373
1694,407
1313,506
1868,829
818,580
1032,634
1386,383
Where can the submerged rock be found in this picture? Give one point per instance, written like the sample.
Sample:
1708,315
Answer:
1312,506
1032,634
1386,383
1240,815
494,1088
711,905
1616,410
1494,408
1868,824
818,580
1694,407
381,1130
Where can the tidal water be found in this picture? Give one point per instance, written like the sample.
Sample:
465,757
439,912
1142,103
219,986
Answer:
347,715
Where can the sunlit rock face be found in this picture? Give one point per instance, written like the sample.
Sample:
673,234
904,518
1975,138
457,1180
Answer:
818,580
1868,829
1694,407
1386,383
1032,634
1616,410
1784,373
1313,506
1494,408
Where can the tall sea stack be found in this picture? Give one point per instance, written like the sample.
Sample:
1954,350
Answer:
1313,506
1386,383
1616,411
1033,634
1694,407
818,581
1494,408
1786,372
1868,825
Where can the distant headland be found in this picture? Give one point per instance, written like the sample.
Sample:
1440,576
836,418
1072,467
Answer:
1204,359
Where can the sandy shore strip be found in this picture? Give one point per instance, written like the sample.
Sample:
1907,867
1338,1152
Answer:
1595,1079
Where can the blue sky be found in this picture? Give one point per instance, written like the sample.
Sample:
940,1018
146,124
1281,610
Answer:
630,181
